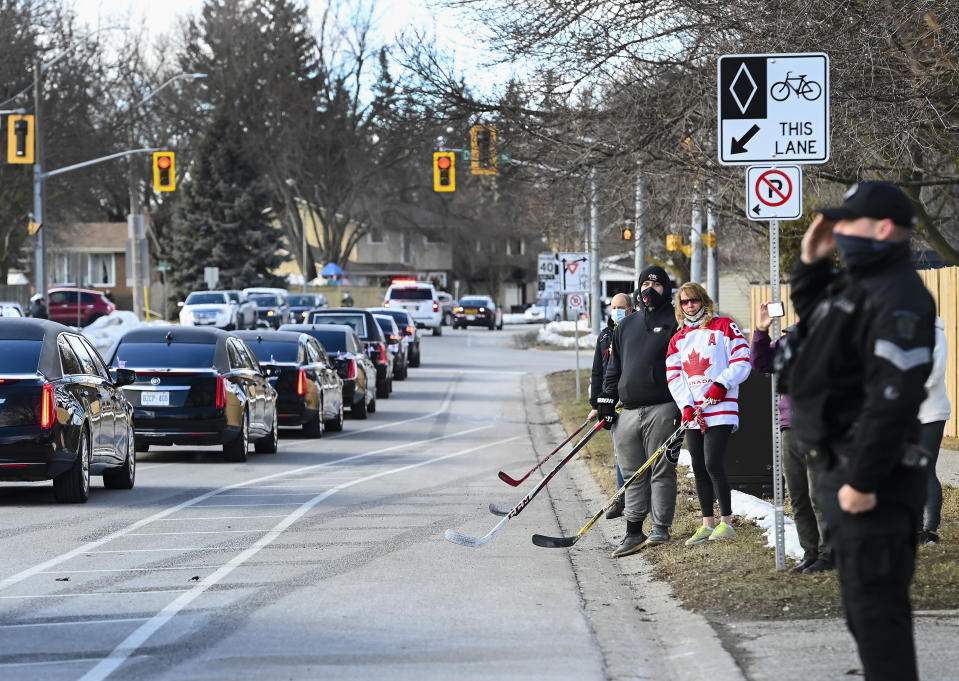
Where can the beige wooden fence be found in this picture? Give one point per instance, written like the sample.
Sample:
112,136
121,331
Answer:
944,286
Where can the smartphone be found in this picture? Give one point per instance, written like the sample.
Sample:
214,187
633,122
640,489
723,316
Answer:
775,310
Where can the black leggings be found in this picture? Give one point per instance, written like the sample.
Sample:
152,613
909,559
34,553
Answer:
710,468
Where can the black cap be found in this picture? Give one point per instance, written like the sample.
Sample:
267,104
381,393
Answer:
876,200
654,273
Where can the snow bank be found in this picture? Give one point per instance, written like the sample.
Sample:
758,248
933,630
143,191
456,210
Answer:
550,334
104,333
514,318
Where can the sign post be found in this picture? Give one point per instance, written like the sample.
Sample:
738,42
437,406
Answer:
773,115
211,275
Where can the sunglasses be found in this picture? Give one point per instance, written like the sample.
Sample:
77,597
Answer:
686,301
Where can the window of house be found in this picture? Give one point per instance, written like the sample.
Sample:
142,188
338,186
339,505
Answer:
100,269
430,239
375,236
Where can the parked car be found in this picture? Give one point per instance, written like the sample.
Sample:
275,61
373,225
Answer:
63,415
349,358
408,330
447,303
77,306
245,309
309,391
395,344
209,308
369,332
301,304
11,309
477,311
197,386
419,298
270,310
544,310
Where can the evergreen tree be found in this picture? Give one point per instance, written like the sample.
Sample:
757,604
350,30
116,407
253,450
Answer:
223,218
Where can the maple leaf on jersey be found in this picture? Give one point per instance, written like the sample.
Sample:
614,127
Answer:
696,365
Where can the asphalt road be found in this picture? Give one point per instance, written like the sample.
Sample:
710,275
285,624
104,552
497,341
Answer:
325,560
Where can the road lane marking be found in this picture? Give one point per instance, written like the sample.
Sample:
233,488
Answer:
190,503
289,503
68,623
177,534
224,517
46,662
99,593
272,494
202,548
132,643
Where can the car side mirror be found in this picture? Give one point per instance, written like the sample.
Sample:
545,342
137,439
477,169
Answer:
180,304
122,377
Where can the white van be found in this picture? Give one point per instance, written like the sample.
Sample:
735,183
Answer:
419,299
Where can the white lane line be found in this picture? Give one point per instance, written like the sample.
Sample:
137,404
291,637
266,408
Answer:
202,548
131,643
88,547
289,503
273,494
101,593
177,534
485,372
67,624
222,517
76,660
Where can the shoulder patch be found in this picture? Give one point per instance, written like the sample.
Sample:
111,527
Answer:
904,360
906,323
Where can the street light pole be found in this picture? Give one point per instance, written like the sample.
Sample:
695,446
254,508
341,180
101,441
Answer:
40,278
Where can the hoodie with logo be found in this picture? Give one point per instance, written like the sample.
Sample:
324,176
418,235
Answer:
635,373
700,356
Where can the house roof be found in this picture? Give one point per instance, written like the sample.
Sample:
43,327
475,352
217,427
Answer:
97,236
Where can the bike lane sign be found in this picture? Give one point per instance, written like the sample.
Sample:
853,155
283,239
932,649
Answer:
773,193
773,108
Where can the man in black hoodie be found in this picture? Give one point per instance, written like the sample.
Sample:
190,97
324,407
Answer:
636,376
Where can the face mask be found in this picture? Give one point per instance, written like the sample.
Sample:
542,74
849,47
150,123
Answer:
693,318
619,315
858,250
651,298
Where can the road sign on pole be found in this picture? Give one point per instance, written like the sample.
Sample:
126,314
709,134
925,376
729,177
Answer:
546,275
773,193
211,275
773,108
573,272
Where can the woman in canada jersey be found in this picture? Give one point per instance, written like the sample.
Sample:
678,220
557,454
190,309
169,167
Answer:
706,361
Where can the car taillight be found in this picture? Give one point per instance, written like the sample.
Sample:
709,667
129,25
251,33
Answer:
394,337
382,353
48,407
436,306
220,392
351,369
386,303
410,330
301,382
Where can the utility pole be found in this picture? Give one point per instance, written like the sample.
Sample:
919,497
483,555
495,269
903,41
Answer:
696,242
712,252
596,308
39,269
639,231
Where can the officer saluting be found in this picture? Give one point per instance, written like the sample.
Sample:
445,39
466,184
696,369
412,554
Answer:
865,349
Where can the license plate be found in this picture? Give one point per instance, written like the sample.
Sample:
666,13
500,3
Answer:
470,317
154,398
411,307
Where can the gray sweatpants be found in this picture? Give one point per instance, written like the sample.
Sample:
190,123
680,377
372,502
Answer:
637,435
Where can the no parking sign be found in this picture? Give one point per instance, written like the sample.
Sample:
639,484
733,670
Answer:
773,193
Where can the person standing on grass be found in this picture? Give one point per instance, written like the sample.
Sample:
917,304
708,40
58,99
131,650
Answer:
866,336
933,414
799,477
707,360
621,305
636,376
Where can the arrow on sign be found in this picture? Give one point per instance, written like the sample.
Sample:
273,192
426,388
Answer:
739,145
756,209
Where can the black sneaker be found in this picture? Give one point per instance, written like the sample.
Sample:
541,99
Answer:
631,544
821,565
617,509
928,538
802,565
657,535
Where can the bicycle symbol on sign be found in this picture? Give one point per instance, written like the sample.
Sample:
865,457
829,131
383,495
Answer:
809,90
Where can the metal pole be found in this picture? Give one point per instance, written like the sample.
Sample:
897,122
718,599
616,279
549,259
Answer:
134,230
596,309
639,238
303,229
712,251
696,242
777,434
579,392
40,273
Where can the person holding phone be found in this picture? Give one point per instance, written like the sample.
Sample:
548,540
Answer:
799,476
706,361
866,337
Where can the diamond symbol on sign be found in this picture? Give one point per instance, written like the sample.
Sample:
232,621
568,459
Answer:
743,87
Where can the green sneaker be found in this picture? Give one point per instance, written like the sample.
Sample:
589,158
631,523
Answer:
723,531
701,535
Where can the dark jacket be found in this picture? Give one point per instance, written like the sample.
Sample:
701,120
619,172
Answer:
761,354
600,357
866,338
38,310
636,372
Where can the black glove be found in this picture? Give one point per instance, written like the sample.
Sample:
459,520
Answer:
606,406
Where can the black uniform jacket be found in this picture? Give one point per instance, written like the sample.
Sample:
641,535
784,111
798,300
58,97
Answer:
600,357
636,372
866,338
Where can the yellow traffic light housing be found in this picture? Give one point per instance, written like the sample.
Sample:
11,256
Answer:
164,171
483,150
20,139
444,171
674,242
709,238
627,233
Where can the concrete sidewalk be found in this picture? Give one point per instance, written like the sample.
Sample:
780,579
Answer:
694,647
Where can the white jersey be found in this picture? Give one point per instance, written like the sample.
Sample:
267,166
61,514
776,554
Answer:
700,356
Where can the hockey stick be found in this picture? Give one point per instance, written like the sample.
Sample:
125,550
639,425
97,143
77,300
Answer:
475,542
563,542
514,482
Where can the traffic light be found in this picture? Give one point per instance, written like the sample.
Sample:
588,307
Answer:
20,139
483,150
164,171
444,171
627,233
674,242
709,238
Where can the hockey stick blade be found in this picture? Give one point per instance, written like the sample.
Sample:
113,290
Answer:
465,540
554,542
509,480
496,509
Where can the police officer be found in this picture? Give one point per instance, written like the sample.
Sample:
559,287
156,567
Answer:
865,349
636,375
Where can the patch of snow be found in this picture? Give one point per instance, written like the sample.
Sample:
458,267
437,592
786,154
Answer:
105,332
763,514
514,318
550,335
